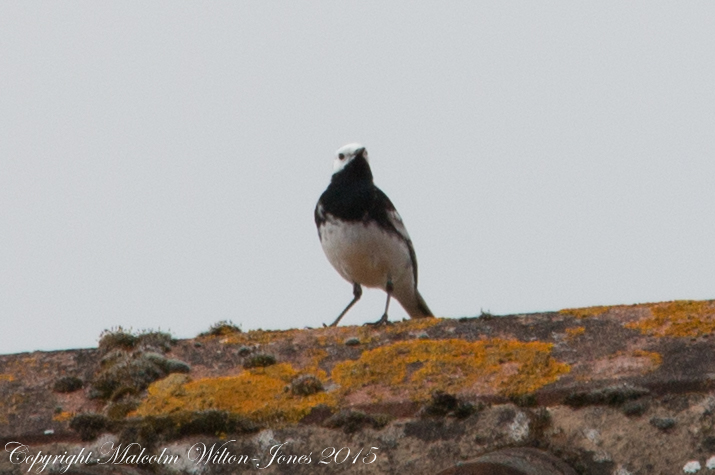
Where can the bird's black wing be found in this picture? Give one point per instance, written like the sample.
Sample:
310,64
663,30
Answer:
388,218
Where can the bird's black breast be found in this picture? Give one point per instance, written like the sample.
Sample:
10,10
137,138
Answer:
350,202
352,196
354,203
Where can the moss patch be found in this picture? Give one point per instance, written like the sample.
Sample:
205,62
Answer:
680,318
421,367
262,395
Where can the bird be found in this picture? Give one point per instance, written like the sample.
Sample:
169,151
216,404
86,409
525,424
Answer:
364,238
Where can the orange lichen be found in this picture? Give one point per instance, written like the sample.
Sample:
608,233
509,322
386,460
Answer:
574,332
258,394
626,363
585,312
337,335
655,358
316,356
414,324
20,367
680,318
420,367
63,416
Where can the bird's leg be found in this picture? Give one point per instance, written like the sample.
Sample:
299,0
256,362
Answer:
383,320
357,293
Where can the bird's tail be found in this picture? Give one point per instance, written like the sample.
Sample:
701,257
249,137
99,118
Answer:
417,307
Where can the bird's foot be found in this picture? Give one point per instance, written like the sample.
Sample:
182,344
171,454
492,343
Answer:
382,321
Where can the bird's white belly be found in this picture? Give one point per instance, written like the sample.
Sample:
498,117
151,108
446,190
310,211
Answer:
365,253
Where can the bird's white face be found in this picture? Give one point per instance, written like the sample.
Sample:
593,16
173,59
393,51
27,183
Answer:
347,154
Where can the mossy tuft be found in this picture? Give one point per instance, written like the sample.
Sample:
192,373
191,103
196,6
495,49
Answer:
120,339
155,340
68,384
131,361
352,421
524,400
306,385
662,423
352,341
150,430
259,360
485,315
117,338
222,328
443,405
90,425
539,421
118,410
635,408
168,365
610,396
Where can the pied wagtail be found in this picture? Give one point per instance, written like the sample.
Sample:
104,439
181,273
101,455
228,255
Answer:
363,235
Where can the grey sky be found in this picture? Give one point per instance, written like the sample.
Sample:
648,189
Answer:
159,162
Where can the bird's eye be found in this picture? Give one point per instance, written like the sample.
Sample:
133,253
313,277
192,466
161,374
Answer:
341,156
